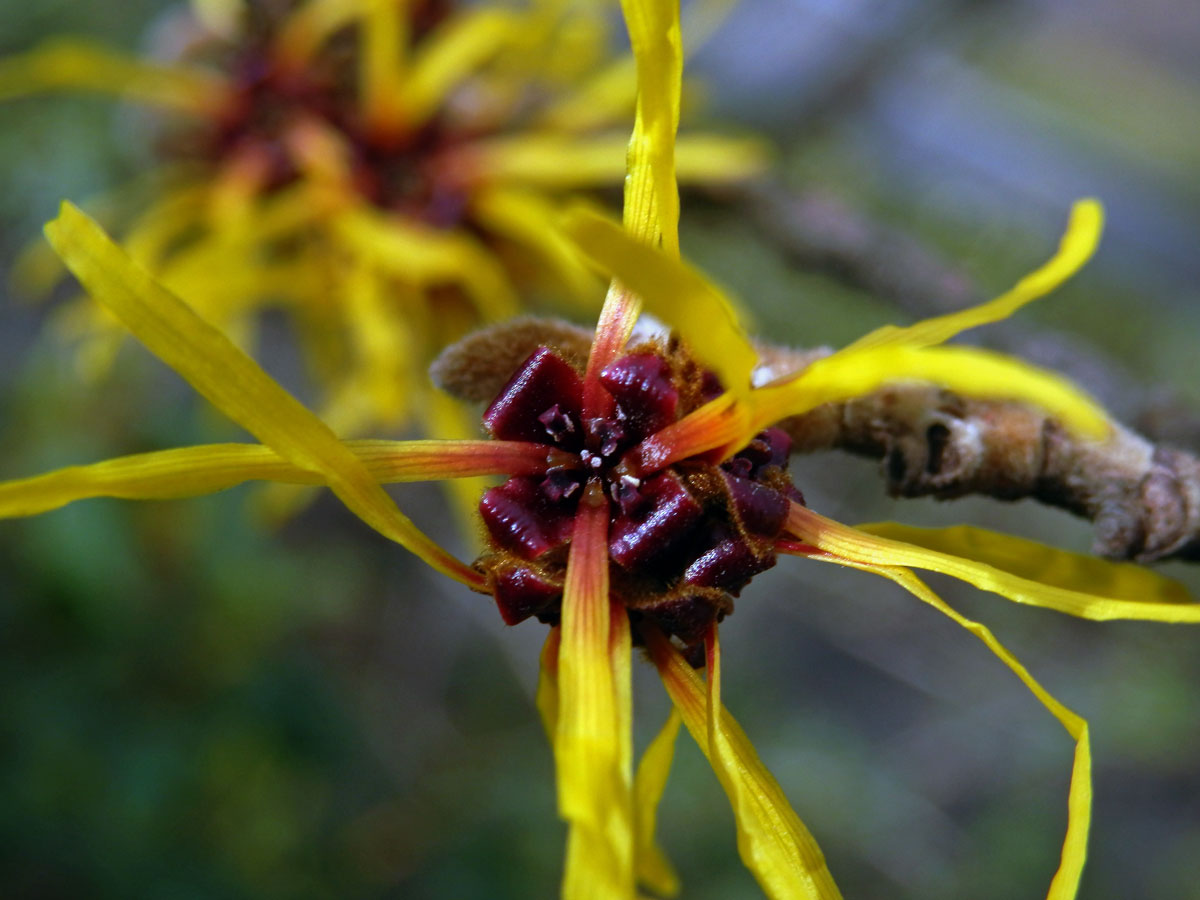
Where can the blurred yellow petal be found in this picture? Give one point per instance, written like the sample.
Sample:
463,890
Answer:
651,195
592,740
382,81
450,54
424,256
674,292
232,381
311,25
64,63
772,841
222,17
965,370
1089,591
563,161
602,99
547,687
192,471
1065,884
654,870
529,219
1077,246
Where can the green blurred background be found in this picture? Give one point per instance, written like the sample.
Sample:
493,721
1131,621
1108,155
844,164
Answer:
195,706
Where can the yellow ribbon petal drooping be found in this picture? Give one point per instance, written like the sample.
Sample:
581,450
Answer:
653,869
772,841
194,471
382,77
1069,587
964,370
1065,883
232,381
592,741
1078,244
547,687
672,291
69,64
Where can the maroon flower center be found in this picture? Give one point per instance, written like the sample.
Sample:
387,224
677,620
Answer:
682,541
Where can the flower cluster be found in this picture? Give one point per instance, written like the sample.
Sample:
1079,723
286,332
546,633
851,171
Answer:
388,174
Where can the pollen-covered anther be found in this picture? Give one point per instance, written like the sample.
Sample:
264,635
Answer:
682,541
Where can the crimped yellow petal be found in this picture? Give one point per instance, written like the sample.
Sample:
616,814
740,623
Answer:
1065,883
450,54
651,195
530,219
1077,246
191,471
672,291
232,381
566,161
1048,578
965,370
654,870
71,64
592,741
772,841
720,423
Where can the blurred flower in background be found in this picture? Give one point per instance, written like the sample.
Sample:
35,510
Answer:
388,174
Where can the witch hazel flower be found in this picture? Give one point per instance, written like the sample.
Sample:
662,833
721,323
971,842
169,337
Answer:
647,485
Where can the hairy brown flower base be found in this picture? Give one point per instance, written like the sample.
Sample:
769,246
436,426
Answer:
682,541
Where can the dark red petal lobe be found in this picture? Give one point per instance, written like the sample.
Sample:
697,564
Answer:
641,383
729,565
770,447
669,514
520,519
544,381
521,592
760,509
687,616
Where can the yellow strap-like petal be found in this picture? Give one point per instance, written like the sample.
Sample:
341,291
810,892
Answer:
223,17
1079,798
1069,586
651,195
69,64
592,741
1077,246
772,841
192,471
674,292
604,98
232,381
450,54
964,370
564,161
303,32
654,870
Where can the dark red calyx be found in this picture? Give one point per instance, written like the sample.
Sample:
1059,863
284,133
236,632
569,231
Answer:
521,518
545,386
687,615
653,528
771,447
760,509
729,563
521,592
641,384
